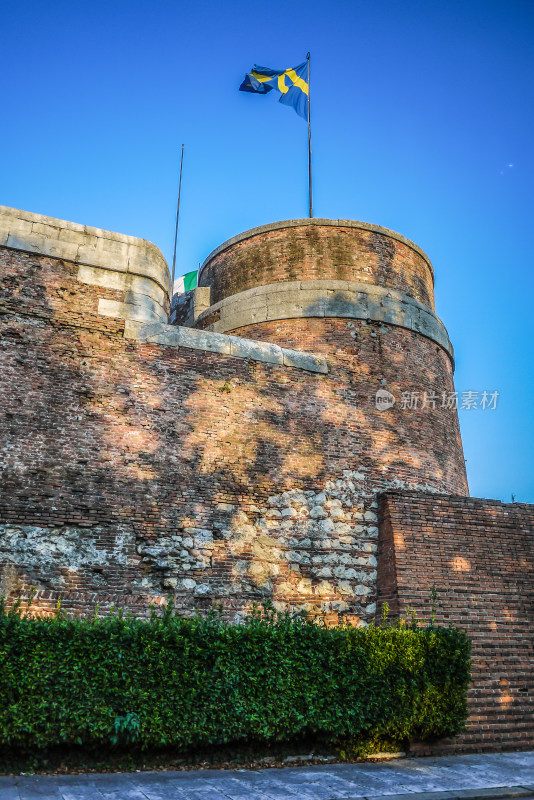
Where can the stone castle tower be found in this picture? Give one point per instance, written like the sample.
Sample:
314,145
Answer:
240,443
363,296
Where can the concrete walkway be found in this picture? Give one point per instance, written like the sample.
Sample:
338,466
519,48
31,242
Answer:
469,777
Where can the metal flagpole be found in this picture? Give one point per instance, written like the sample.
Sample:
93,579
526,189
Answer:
309,142
177,216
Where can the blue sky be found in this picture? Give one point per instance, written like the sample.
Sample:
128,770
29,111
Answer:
422,115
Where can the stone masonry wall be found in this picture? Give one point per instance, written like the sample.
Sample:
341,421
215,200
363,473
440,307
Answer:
131,471
479,554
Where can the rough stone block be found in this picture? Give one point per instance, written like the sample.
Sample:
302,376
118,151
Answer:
205,340
258,351
234,318
308,361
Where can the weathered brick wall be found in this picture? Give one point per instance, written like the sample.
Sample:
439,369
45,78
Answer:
312,252
131,471
401,447
479,554
420,444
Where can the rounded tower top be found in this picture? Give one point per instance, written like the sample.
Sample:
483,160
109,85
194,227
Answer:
318,249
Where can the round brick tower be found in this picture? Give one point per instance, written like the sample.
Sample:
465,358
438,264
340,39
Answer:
364,296
384,417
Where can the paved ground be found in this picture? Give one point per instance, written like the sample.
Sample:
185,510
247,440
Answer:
446,778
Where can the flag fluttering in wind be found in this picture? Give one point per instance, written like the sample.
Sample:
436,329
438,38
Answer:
294,87
292,83
185,283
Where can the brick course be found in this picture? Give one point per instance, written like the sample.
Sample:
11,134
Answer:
479,554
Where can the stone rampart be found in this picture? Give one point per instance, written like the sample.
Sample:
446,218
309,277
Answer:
143,459
126,264
312,249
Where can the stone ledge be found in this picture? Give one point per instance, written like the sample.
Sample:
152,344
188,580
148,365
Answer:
93,247
327,298
334,223
175,336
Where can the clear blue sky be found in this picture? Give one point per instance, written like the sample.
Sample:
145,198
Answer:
422,122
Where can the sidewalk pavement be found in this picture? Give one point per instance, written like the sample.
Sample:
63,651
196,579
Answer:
463,777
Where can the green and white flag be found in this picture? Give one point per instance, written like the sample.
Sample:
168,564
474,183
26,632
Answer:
185,283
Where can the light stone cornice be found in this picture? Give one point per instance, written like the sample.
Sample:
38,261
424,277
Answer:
235,346
326,298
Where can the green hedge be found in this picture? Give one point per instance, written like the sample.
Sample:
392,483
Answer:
199,682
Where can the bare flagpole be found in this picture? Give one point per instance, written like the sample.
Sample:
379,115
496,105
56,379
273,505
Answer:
309,142
177,216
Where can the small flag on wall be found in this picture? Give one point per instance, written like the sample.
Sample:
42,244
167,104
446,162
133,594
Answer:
291,83
186,282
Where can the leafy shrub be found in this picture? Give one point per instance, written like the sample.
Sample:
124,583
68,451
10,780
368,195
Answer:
171,681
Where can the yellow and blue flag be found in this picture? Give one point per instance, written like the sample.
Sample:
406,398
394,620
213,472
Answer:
291,83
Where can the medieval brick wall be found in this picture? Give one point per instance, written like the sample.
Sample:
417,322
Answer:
404,444
136,468
132,471
479,554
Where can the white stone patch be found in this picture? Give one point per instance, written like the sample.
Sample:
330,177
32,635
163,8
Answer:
46,549
331,543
